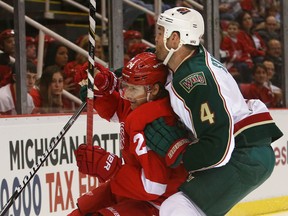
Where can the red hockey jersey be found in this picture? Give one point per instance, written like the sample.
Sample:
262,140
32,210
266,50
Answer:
144,176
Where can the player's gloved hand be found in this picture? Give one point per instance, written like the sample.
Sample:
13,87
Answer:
86,203
95,161
75,212
91,202
105,81
168,141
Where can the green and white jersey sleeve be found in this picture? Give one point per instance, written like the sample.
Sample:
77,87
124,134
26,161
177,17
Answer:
208,101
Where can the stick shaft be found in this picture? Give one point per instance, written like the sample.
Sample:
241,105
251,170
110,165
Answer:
42,159
90,87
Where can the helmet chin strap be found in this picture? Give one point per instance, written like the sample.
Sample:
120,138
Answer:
170,51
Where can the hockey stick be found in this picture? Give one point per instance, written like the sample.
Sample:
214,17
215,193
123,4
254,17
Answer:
42,159
90,87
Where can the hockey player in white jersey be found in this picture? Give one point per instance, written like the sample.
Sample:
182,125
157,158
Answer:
231,154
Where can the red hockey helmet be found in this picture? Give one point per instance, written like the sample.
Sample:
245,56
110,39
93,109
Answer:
6,34
144,69
132,34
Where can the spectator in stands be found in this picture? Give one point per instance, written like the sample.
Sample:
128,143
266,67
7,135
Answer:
58,54
47,40
277,92
229,9
270,30
73,67
50,97
7,50
253,42
273,10
8,92
274,54
131,13
237,61
7,42
130,37
258,88
31,53
99,49
137,48
5,73
258,11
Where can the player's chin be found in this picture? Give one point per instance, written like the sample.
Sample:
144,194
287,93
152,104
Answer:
135,104
159,56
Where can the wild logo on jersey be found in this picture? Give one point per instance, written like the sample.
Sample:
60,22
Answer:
191,81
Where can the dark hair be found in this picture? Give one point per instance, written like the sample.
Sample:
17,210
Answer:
258,65
30,66
47,75
51,52
162,91
45,81
240,20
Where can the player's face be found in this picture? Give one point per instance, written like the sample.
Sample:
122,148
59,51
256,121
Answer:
161,51
135,94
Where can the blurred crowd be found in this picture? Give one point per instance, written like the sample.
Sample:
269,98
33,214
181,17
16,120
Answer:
250,48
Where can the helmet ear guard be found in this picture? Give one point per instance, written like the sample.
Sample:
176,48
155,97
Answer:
188,22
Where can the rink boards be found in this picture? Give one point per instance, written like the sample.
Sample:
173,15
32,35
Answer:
57,184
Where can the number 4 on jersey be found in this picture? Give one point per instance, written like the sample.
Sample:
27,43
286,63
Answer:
206,114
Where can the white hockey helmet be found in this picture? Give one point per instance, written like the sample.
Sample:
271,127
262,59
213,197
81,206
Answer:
188,22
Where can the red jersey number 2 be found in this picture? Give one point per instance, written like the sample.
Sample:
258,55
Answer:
140,149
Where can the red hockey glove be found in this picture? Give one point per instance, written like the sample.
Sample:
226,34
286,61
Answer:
95,161
75,212
105,81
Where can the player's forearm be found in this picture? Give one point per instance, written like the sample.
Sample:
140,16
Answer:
206,154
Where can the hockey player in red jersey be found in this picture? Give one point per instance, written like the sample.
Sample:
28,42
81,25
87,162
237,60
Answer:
143,181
